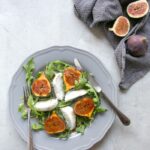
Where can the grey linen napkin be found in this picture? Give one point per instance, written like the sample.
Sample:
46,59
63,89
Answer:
104,12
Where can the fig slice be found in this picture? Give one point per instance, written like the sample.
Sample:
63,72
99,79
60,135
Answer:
138,9
41,86
71,74
54,124
121,26
84,107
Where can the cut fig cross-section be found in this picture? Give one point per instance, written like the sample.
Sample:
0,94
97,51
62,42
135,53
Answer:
71,75
121,26
138,9
54,124
41,86
84,107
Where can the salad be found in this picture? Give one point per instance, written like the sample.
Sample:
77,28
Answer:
62,100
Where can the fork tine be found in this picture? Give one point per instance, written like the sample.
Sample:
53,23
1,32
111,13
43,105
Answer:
29,91
25,96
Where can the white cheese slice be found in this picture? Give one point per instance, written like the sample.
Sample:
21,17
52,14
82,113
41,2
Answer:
58,86
69,116
74,94
46,105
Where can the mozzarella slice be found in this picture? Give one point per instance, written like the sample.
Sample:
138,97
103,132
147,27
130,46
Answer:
69,116
58,86
46,105
74,94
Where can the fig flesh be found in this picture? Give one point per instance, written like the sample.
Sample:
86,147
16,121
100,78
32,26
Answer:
41,86
71,74
138,9
121,26
137,45
84,107
54,124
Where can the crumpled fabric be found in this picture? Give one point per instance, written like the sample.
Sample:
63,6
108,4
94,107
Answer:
105,12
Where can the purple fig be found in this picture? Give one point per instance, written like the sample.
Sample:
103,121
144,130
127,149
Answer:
137,45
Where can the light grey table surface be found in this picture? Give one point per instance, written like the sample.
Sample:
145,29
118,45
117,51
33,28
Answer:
27,26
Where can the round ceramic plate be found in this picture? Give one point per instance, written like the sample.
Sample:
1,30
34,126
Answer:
97,129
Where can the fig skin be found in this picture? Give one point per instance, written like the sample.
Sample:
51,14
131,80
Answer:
137,45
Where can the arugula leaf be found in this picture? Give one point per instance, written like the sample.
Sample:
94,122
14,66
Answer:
55,66
23,111
37,126
64,135
100,109
96,98
82,81
31,103
64,104
29,68
58,112
82,123
80,129
92,92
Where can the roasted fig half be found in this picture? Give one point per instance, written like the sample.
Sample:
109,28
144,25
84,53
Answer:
84,107
41,86
54,124
71,74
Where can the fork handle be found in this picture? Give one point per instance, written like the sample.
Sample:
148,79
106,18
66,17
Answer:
30,140
123,118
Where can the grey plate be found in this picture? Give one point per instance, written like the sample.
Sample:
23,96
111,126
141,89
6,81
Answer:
101,124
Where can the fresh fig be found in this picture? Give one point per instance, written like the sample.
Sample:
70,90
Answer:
137,45
138,9
121,26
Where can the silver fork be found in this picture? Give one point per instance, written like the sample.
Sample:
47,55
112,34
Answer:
123,118
26,93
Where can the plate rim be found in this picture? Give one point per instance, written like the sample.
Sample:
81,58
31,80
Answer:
93,141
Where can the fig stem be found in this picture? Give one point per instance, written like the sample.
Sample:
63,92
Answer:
110,29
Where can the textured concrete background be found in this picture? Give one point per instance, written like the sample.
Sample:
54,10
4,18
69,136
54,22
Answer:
27,26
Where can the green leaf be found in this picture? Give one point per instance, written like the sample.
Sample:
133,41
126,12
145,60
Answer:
100,109
64,104
49,71
82,81
92,93
80,129
82,123
55,66
37,126
23,111
29,68
31,102
64,135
